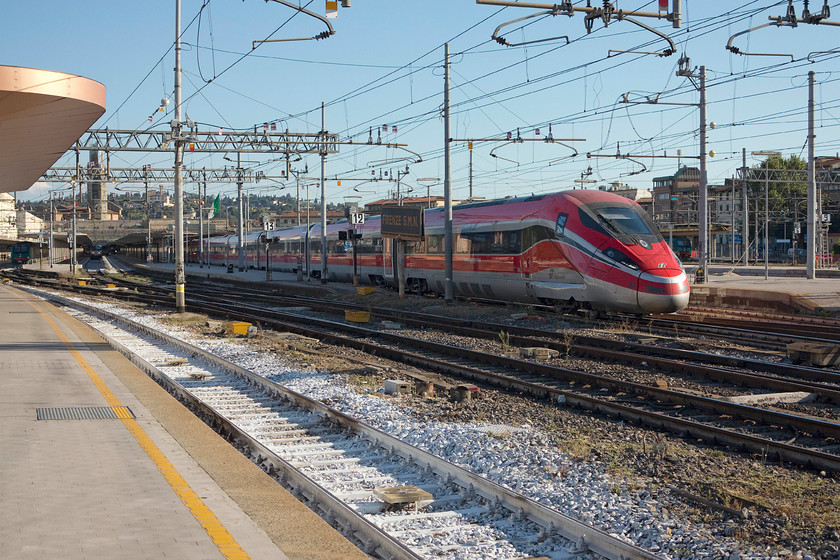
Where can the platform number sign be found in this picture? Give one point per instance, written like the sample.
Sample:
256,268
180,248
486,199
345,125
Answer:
357,218
268,226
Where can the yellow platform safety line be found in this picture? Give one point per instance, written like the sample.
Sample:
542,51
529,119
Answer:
217,532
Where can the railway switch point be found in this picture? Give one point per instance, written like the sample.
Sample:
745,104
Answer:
396,386
292,337
773,398
813,354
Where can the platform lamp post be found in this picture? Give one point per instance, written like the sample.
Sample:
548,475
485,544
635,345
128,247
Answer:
766,208
429,181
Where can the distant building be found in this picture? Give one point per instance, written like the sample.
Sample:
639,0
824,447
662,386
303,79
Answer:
642,197
290,219
64,212
160,197
8,216
675,197
16,223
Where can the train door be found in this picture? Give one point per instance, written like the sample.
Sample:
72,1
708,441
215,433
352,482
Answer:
388,260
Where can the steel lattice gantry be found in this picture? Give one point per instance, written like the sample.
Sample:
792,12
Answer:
242,142
138,175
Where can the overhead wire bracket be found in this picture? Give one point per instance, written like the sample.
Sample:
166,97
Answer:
323,35
788,20
672,48
509,139
413,158
606,14
502,41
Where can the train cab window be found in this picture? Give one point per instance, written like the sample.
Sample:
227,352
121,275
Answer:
590,222
626,223
560,225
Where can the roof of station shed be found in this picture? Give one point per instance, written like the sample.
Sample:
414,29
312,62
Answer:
41,114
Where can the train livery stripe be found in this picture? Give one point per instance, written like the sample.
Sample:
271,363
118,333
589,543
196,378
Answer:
217,532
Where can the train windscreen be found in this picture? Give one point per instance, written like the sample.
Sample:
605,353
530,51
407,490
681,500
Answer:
626,223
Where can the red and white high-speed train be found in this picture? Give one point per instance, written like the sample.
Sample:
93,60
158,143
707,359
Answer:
577,249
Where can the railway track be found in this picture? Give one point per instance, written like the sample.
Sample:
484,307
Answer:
345,468
769,375
790,437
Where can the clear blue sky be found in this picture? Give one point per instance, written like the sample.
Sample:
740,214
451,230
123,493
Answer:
384,67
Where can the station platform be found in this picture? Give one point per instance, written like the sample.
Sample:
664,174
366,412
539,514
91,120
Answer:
785,289
98,461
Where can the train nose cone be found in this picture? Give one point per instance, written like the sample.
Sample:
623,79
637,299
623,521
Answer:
663,294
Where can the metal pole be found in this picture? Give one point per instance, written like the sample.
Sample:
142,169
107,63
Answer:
51,230
766,217
323,199
703,210
471,171
201,202
732,225
240,230
447,185
746,209
180,277
812,187
307,251
148,216
73,244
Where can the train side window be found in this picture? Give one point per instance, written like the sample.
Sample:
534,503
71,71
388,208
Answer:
463,245
434,244
364,245
560,226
